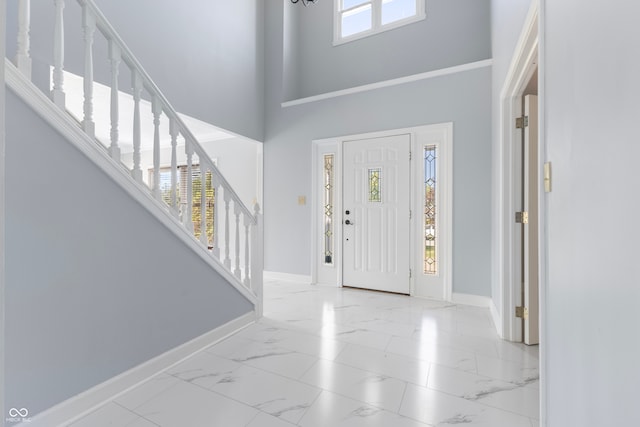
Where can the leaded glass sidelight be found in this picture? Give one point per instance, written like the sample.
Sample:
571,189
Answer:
430,211
328,205
375,194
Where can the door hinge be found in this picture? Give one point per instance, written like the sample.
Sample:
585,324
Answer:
522,122
410,155
410,273
410,214
522,312
522,217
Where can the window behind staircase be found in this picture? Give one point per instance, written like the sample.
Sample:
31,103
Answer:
196,208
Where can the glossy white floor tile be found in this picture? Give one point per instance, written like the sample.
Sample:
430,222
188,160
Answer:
330,357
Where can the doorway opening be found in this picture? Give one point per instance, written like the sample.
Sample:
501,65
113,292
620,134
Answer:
521,80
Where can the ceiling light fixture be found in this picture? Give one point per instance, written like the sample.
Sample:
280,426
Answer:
304,2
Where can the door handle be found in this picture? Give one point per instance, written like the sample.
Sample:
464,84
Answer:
348,222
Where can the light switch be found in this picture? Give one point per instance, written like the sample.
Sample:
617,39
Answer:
302,200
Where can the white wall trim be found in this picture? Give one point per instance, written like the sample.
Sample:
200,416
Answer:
391,82
473,300
73,409
287,277
61,121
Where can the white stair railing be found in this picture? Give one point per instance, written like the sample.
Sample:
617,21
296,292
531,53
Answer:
243,249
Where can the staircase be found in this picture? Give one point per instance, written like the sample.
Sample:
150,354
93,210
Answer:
196,206
239,256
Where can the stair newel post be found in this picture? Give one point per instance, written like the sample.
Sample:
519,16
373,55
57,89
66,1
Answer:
89,28
257,258
237,212
115,58
173,130
203,204
137,92
248,221
156,108
188,216
227,200
215,184
57,94
23,56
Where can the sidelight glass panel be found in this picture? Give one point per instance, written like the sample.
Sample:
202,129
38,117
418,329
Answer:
375,194
328,204
430,211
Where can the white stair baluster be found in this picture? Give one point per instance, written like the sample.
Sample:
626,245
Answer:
237,271
89,28
227,258
173,130
203,205
257,259
247,223
115,58
156,108
215,185
137,92
23,57
57,93
188,216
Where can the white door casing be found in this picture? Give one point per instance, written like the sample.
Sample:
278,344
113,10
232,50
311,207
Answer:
531,203
430,286
375,214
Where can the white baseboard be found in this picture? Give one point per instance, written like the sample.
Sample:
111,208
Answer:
286,277
473,300
73,409
497,318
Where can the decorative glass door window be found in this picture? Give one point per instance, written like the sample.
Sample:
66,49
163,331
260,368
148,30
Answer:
430,211
328,204
375,191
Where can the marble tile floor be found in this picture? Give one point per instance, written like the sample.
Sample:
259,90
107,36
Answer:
330,357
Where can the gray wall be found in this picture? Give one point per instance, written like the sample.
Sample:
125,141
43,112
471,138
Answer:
207,57
507,20
85,301
2,209
591,70
464,99
455,32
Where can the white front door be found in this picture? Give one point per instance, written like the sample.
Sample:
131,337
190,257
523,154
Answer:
376,213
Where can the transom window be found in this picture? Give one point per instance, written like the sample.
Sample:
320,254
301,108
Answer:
355,19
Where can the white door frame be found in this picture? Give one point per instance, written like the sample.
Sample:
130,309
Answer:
332,275
523,65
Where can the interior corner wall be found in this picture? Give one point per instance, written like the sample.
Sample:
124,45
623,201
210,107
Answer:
85,301
507,21
591,110
207,57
